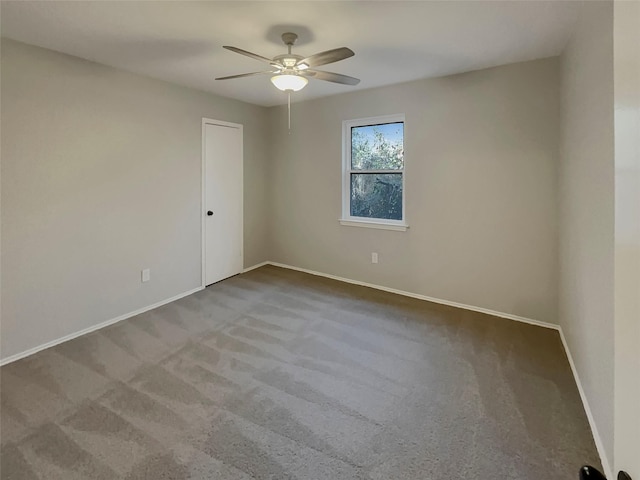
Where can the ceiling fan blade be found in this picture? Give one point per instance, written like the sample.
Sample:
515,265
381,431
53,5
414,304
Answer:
332,77
243,75
329,56
249,54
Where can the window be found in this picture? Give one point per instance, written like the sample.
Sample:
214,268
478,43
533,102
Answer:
373,173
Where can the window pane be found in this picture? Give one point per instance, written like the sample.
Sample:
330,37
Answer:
376,195
378,147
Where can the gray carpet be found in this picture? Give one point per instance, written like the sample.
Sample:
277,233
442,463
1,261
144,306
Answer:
276,374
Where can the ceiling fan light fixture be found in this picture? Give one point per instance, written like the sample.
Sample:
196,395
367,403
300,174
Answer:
289,82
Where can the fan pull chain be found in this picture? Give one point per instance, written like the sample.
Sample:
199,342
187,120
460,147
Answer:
289,109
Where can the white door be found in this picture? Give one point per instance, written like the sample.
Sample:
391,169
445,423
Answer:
223,212
626,62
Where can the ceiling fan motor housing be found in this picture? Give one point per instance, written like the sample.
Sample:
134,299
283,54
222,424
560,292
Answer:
289,60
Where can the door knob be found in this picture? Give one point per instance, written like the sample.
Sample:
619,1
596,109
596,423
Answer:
209,213
591,473
588,472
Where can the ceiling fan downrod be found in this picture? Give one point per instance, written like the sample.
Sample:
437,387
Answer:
289,39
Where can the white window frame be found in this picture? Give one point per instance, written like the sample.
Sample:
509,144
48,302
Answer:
381,223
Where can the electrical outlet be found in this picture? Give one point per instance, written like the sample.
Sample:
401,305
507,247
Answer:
146,275
374,257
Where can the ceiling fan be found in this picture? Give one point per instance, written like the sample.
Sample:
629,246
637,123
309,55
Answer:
290,71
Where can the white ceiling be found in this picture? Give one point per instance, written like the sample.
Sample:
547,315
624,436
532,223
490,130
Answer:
394,41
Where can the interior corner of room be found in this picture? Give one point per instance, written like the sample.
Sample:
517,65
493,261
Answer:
521,194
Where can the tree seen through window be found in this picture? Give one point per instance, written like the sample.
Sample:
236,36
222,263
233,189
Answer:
377,165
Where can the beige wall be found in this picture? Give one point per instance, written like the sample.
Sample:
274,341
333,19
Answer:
481,153
587,210
101,178
627,236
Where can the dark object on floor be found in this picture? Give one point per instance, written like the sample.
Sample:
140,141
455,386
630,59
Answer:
591,473
588,472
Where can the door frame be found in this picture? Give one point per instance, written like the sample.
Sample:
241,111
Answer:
203,188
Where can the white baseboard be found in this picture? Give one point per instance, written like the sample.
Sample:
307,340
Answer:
592,423
594,429
418,296
93,328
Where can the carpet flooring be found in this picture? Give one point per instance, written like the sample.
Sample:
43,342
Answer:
277,374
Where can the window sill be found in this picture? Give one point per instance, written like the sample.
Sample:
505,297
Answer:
399,227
